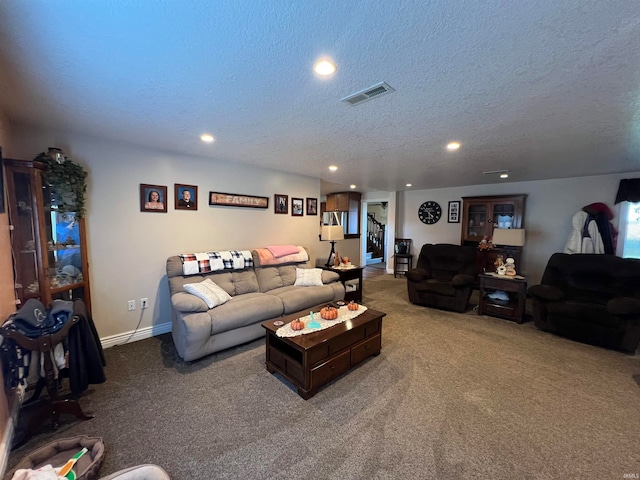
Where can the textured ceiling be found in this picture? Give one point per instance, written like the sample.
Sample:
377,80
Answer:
543,88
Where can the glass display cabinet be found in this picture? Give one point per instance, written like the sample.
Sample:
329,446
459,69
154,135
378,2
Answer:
481,215
49,246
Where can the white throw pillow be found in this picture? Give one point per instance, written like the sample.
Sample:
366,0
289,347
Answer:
308,277
208,291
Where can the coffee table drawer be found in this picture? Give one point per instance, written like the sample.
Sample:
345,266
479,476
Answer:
330,348
370,347
345,341
334,367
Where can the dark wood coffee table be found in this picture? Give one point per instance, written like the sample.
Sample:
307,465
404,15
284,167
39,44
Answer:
311,360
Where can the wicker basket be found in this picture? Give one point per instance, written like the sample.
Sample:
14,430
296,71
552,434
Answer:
57,453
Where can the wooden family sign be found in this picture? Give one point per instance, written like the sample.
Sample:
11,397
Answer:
234,200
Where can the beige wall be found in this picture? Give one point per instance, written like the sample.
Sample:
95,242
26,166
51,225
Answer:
549,207
128,248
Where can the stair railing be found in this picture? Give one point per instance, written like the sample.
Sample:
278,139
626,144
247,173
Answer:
375,237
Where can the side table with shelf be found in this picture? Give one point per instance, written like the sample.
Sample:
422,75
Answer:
347,275
515,288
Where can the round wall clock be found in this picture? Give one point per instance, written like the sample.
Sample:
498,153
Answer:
429,212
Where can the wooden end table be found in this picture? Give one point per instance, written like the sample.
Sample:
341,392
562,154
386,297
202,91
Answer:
516,288
311,360
353,273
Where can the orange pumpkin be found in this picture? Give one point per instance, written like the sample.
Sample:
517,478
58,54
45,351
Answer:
329,312
297,324
353,305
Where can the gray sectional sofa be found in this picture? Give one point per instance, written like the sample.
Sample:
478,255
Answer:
258,293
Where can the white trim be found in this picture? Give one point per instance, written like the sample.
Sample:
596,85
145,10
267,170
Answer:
141,334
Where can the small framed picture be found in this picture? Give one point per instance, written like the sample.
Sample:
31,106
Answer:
312,206
186,197
297,207
454,212
153,198
281,203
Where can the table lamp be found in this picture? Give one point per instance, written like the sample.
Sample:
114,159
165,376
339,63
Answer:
508,238
331,233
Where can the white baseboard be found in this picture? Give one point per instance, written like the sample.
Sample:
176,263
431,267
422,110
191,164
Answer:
141,334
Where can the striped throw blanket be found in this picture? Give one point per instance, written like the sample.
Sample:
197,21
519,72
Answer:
195,263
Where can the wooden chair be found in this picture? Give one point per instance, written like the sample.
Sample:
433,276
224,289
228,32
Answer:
402,257
53,405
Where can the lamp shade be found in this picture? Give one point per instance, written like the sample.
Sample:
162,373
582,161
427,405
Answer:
331,232
512,237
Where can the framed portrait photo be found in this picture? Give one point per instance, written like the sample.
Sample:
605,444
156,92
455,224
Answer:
186,197
297,206
454,212
281,203
312,206
153,198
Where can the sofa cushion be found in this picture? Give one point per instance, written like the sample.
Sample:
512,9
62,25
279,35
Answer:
275,277
243,310
295,299
624,306
236,283
581,312
435,286
208,291
308,277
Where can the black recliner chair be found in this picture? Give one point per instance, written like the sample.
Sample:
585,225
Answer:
443,277
591,298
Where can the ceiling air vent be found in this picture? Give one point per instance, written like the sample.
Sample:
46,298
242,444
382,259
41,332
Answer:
376,90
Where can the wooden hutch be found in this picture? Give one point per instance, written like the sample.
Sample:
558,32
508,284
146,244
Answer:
481,215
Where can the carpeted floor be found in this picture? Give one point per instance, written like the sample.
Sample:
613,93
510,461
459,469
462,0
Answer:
451,396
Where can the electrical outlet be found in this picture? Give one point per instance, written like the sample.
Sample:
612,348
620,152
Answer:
144,303
131,305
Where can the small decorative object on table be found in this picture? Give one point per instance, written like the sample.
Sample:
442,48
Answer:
353,305
329,312
510,267
313,323
297,324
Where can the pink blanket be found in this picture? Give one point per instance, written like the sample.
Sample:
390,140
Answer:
282,250
267,258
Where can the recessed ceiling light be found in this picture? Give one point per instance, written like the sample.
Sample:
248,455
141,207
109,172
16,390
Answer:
324,67
409,185
504,175
453,146
352,186
333,168
205,137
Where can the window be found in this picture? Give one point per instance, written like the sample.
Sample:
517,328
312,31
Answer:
629,235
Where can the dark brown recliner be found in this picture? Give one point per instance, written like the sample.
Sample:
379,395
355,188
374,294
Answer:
443,277
590,298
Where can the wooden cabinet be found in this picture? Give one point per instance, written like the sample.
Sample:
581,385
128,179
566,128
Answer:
49,246
338,202
347,207
480,215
